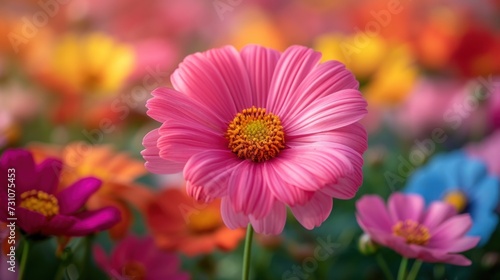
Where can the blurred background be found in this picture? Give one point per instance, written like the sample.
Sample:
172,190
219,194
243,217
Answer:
75,76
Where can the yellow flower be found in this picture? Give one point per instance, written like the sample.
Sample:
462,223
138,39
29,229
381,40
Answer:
361,57
386,69
395,78
93,63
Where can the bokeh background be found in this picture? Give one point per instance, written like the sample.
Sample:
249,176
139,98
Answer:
75,76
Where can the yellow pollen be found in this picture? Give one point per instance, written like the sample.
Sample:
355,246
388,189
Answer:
457,199
413,232
40,202
256,135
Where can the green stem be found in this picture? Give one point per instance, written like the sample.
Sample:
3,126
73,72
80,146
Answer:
414,270
60,271
24,258
383,265
247,253
402,268
86,255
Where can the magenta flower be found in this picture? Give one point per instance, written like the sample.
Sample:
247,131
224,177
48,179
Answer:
262,130
435,234
36,205
135,258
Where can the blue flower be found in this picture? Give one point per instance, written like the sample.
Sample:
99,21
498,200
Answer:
465,183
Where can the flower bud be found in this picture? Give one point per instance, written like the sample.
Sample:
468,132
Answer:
366,245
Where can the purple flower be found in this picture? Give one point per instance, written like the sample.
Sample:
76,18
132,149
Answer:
31,196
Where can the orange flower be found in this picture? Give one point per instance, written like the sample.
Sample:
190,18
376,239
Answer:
116,170
179,223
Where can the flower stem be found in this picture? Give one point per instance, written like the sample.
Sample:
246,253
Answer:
86,255
24,258
402,268
383,265
247,253
414,270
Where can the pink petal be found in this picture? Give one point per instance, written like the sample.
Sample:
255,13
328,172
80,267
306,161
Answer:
312,167
405,207
273,223
315,212
438,256
373,212
346,187
461,245
452,228
456,259
353,136
328,113
260,63
58,225
232,219
210,170
72,198
168,104
95,221
189,127
325,79
437,213
179,140
154,163
216,78
29,221
293,67
275,173
249,189
48,175
22,161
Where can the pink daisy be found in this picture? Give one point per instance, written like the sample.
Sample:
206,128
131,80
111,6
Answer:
435,234
262,130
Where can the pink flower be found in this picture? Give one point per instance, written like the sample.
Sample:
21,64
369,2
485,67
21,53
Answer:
435,234
262,130
424,109
136,258
36,205
488,152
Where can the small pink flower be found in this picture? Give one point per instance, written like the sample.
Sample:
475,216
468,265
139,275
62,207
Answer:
435,234
262,130
136,258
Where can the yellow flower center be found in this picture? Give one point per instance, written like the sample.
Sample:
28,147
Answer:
457,199
256,135
40,202
205,221
413,232
134,270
